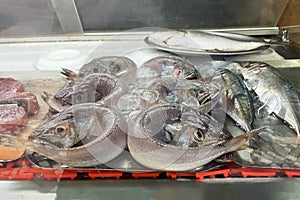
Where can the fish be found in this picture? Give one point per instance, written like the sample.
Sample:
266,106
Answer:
276,93
202,141
101,88
200,95
271,148
120,66
82,135
238,101
204,41
174,65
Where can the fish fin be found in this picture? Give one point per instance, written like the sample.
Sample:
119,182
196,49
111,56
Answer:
260,108
275,43
242,147
68,74
257,131
166,40
46,96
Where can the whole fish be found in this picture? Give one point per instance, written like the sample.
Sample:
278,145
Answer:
101,88
80,136
203,41
119,66
239,104
174,65
159,140
274,91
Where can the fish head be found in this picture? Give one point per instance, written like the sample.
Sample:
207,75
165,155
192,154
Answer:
207,132
197,129
57,131
63,95
185,71
251,69
195,134
114,65
91,88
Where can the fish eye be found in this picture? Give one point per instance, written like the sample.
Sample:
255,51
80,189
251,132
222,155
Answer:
95,70
177,72
114,68
60,130
79,97
199,136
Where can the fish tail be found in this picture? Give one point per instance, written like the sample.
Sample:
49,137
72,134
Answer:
12,141
242,139
259,130
69,74
274,43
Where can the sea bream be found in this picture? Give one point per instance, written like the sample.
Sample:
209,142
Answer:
274,91
202,41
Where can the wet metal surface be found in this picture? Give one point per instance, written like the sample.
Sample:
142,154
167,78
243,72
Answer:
229,188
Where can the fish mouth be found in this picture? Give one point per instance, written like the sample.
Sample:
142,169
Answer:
188,76
45,142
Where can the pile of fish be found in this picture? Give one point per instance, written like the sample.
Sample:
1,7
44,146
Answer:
169,115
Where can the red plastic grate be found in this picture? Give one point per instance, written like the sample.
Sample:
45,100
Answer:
22,169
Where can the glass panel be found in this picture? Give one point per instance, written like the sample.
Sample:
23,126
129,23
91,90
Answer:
97,15
28,18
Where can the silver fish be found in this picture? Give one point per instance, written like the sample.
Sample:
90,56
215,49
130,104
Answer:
174,150
274,91
101,88
271,148
204,41
114,65
81,136
239,104
177,66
